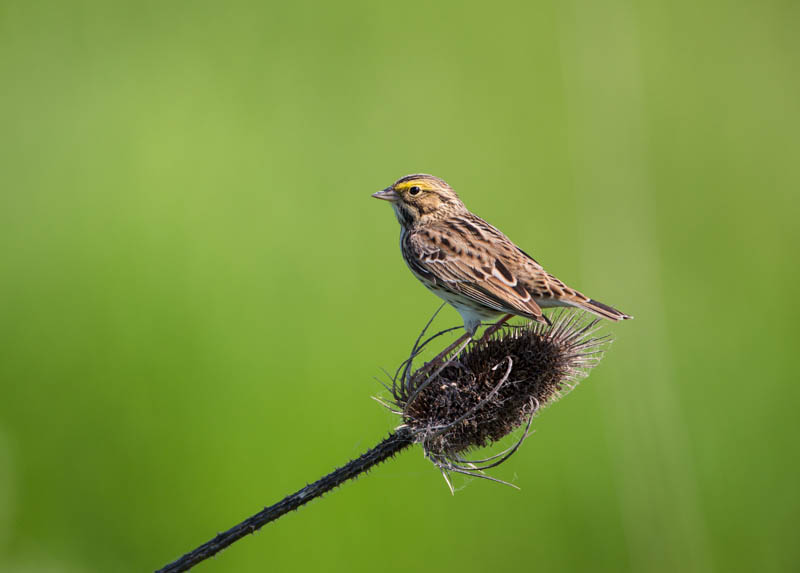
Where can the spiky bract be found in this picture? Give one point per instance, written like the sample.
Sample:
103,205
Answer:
491,387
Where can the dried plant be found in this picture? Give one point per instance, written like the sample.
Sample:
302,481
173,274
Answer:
470,395
480,393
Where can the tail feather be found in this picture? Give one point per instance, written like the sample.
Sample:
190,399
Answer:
602,310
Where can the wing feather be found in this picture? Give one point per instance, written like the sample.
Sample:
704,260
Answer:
465,266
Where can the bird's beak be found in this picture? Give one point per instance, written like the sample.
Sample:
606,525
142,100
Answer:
387,194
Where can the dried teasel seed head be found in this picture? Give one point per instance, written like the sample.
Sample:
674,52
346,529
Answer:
488,388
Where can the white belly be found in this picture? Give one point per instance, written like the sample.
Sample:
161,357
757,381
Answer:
472,313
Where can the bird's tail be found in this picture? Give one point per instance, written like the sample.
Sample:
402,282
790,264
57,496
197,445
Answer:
602,310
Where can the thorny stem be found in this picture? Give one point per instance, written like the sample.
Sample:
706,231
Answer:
394,443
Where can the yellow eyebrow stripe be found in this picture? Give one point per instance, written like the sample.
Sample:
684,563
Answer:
423,184
408,184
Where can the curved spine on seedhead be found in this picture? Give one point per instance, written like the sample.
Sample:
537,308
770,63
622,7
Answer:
486,389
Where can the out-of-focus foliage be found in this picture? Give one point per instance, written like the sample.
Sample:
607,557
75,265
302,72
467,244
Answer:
196,288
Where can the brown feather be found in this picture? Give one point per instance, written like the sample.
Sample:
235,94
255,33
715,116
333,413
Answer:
471,264
447,257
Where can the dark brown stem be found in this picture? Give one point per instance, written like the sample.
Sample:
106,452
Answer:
397,441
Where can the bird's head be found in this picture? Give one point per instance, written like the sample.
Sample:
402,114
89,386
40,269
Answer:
419,199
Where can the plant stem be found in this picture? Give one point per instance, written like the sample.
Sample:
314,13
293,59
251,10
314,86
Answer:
394,443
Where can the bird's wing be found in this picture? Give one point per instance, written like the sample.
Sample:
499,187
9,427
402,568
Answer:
538,283
466,265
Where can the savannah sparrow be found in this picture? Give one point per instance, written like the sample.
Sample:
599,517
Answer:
470,264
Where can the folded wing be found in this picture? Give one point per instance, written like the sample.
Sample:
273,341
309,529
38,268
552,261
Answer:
461,265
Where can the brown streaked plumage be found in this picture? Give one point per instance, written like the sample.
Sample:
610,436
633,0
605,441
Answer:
471,264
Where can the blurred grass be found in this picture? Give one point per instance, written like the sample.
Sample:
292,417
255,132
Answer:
196,289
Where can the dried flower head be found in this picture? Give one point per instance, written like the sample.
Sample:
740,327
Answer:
479,393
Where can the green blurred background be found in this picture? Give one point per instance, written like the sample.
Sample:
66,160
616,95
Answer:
196,289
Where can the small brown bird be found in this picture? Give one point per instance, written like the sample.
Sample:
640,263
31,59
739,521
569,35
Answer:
469,263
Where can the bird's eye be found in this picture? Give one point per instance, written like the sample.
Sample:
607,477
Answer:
414,190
